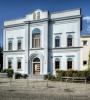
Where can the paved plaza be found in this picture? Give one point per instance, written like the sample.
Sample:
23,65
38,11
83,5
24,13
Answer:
26,89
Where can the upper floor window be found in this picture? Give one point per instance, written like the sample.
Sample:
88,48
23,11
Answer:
36,38
85,42
19,63
69,40
69,63
57,41
19,44
10,44
38,15
34,16
57,63
84,62
9,63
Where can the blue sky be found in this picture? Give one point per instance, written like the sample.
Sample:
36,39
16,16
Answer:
12,9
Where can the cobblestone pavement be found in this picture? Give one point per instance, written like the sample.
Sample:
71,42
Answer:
43,90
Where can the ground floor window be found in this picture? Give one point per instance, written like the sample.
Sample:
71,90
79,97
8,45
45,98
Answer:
9,63
69,63
18,63
57,63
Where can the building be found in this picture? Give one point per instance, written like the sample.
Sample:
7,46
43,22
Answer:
43,42
85,51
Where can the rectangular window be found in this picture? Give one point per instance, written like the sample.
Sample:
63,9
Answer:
69,64
57,42
69,42
38,15
9,63
57,64
34,16
84,62
10,45
84,42
18,63
19,45
36,43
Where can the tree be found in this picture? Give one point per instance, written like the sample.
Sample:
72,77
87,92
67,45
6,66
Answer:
89,60
1,57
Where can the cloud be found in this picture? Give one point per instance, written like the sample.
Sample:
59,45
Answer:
87,19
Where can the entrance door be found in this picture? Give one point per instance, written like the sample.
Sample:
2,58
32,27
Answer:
36,66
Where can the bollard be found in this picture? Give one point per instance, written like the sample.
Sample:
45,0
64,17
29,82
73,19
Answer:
27,82
47,83
10,83
66,83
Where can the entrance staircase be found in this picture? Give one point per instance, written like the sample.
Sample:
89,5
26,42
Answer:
36,77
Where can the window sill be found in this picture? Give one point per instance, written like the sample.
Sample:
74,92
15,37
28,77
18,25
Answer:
36,48
13,50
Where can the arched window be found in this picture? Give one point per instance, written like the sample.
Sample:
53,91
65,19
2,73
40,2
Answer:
69,63
69,40
38,15
57,41
36,60
34,16
57,63
36,38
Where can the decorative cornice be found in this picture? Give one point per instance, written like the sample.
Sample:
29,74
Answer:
14,25
14,51
64,48
65,18
42,20
36,49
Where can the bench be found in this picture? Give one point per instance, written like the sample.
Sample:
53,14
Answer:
79,79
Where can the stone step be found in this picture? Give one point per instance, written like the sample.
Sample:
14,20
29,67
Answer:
36,77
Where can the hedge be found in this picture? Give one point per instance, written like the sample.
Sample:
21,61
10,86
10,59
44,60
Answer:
9,72
72,73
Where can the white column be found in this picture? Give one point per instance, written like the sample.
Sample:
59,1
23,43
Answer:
45,69
27,33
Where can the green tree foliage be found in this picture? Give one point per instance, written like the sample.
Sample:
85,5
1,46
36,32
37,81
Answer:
10,72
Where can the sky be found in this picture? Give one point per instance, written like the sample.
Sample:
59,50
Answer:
13,9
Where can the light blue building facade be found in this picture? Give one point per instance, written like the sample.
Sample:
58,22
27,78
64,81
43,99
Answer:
43,42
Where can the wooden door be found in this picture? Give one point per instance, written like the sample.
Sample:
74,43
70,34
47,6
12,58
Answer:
36,68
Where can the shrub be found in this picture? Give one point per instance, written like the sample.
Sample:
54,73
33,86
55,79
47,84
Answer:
49,77
71,73
59,74
4,71
10,72
25,76
74,74
18,75
45,77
